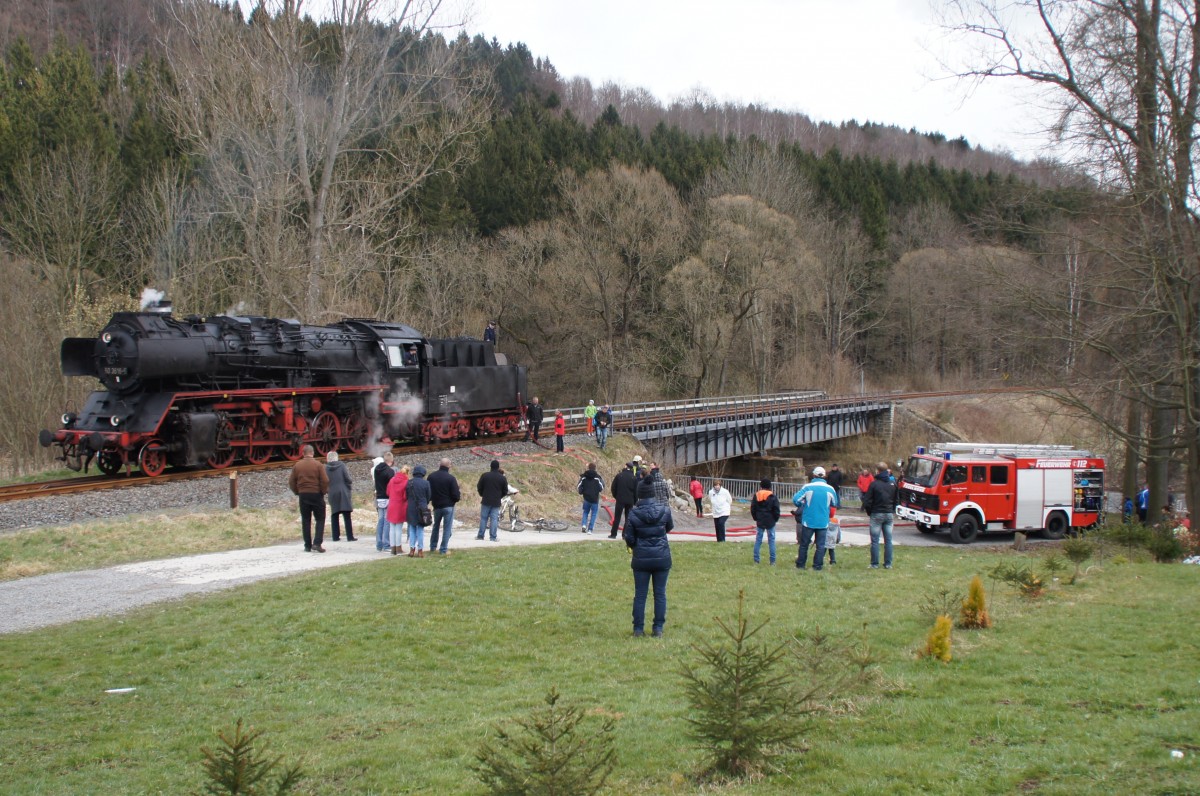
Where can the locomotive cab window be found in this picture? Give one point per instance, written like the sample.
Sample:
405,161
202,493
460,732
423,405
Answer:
395,356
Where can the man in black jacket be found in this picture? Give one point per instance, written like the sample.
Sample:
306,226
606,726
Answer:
444,493
492,488
533,419
624,492
879,504
382,474
591,487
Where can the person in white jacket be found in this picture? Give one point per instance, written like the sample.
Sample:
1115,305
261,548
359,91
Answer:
721,502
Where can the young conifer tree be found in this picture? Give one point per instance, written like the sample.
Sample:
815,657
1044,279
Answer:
937,643
974,614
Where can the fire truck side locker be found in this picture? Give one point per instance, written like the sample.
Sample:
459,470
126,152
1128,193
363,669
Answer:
1031,491
1041,491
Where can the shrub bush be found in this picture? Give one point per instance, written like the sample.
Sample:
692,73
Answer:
1078,550
1164,545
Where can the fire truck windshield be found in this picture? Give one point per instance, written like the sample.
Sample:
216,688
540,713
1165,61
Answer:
923,471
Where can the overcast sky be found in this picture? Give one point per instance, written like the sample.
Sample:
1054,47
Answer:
833,60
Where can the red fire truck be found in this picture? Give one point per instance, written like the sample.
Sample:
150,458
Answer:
967,488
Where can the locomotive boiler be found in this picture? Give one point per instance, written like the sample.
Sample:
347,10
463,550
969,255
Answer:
194,391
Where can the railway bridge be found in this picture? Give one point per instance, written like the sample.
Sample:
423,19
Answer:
682,433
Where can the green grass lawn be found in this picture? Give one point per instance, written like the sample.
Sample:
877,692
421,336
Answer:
384,677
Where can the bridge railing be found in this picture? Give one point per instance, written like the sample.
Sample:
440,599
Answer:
631,417
743,490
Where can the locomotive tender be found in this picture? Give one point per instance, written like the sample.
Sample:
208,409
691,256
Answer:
212,391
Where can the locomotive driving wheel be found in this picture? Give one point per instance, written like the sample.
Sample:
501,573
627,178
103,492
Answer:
324,433
293,450
356,430
153,458
225,453
258,450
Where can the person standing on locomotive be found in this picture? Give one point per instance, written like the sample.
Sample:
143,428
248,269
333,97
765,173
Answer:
533,419
397,510
492,488
309,483
489,334
444,494
419,515
341,499
382,474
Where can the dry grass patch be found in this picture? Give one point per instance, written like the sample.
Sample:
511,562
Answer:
143,538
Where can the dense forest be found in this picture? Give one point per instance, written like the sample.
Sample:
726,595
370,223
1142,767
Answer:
374,167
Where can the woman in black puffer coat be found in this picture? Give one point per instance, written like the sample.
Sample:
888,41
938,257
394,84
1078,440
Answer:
646,530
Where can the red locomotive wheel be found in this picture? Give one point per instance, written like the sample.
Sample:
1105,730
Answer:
153,458
292,451
325,433
225,453
257,450
356,429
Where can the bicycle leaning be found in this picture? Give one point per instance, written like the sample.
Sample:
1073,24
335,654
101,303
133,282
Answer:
511,519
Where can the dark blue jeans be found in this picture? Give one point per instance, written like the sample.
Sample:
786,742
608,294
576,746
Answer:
443,521
810,536
641,585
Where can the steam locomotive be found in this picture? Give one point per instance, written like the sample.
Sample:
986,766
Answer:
212,391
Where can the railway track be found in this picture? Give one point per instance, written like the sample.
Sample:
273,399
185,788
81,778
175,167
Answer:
627,417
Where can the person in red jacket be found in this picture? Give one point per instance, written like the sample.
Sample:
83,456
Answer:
696,490
864,482
560,430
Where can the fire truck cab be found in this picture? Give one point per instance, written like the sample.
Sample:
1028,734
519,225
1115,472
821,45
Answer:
968,488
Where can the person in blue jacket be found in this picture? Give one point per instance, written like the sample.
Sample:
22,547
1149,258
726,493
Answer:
646,529
813,501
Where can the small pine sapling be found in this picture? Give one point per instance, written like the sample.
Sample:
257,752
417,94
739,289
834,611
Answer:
240,767
974,614
743,709
547,753
937,643
1078,550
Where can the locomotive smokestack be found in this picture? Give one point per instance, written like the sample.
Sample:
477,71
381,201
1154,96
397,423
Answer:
155,301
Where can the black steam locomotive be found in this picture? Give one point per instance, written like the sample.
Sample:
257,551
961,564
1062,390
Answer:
212,391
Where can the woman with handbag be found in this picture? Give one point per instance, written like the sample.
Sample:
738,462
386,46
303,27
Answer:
420,515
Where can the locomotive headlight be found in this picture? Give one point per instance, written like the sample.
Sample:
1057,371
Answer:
68,418
106,337
115,420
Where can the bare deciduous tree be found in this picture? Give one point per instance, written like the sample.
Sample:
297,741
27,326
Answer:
314,136
1126,77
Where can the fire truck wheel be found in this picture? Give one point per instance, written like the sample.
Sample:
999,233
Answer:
964,529
925,527
1056,526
